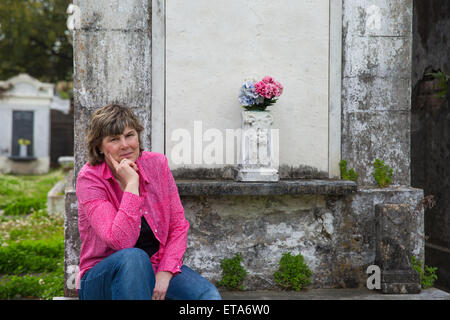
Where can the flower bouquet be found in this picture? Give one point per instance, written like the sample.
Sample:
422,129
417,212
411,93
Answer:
23,142
23,146
258,95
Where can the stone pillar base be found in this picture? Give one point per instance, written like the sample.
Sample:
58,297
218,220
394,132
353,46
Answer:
259,161
256,175
394,226
400,281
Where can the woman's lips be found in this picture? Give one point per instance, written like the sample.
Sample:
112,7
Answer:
127,155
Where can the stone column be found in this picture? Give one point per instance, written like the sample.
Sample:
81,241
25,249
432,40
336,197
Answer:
259,160
395,227
376,87
112,63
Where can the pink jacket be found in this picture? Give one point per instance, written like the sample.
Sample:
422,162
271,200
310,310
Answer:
109,219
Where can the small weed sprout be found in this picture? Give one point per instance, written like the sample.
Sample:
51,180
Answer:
293,273
382,174
233,273
347,174
427,274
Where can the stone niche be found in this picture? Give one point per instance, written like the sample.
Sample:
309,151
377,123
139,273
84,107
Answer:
25,113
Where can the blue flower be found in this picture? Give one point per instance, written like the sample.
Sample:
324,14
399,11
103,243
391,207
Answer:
247,94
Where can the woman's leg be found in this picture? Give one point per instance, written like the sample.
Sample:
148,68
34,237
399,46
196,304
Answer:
125,275
189,285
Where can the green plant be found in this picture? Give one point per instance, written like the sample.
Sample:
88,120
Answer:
443,82
427,274
20,195
31,246
36,226
293,273
44,286
31,256
382,174
233,273
24,205
347,174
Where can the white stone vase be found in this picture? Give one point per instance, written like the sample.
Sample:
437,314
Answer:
23,150
257,148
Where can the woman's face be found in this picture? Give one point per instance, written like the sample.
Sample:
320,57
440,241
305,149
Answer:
122,146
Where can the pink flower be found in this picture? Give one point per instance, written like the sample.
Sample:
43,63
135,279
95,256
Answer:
268,88
267,79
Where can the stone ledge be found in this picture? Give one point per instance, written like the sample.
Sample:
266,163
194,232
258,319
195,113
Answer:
282,187
323,294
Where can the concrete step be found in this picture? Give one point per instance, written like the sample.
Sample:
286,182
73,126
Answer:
325,294
334,294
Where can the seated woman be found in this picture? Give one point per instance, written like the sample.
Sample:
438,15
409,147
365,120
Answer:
131,221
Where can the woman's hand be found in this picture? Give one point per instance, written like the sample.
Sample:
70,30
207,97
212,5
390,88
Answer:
125,173
161,285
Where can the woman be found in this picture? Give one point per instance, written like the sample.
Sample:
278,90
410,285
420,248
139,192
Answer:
131,221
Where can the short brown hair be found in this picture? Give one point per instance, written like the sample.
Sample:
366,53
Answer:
109,120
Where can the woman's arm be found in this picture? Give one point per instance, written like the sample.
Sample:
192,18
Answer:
119,229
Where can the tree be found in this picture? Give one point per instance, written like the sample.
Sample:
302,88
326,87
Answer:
34,39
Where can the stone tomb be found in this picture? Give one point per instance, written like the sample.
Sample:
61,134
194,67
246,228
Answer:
346,68
25,113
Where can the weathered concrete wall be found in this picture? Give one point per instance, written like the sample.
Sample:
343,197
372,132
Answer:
335,234
431,40
72,242
430,124
376,86
112,63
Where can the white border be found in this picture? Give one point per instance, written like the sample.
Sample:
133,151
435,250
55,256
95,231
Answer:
158,76
334,89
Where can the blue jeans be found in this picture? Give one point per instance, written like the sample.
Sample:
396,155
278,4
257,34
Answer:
128,275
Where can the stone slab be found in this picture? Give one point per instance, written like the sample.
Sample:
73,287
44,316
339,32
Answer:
378,18
323,294
282,187
400,276
394,230
376,70
256,176
114,14
333,294
400,288
384,135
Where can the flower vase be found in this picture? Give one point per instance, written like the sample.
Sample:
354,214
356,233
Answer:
257,148
23,150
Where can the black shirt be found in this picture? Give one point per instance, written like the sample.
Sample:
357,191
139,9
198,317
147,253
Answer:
147,240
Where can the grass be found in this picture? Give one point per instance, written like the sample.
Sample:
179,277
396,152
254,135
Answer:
31,241
23,194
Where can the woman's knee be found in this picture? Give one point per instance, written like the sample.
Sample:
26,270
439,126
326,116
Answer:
211,293
134,258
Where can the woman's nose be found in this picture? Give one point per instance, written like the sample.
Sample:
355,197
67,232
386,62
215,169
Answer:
123,142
